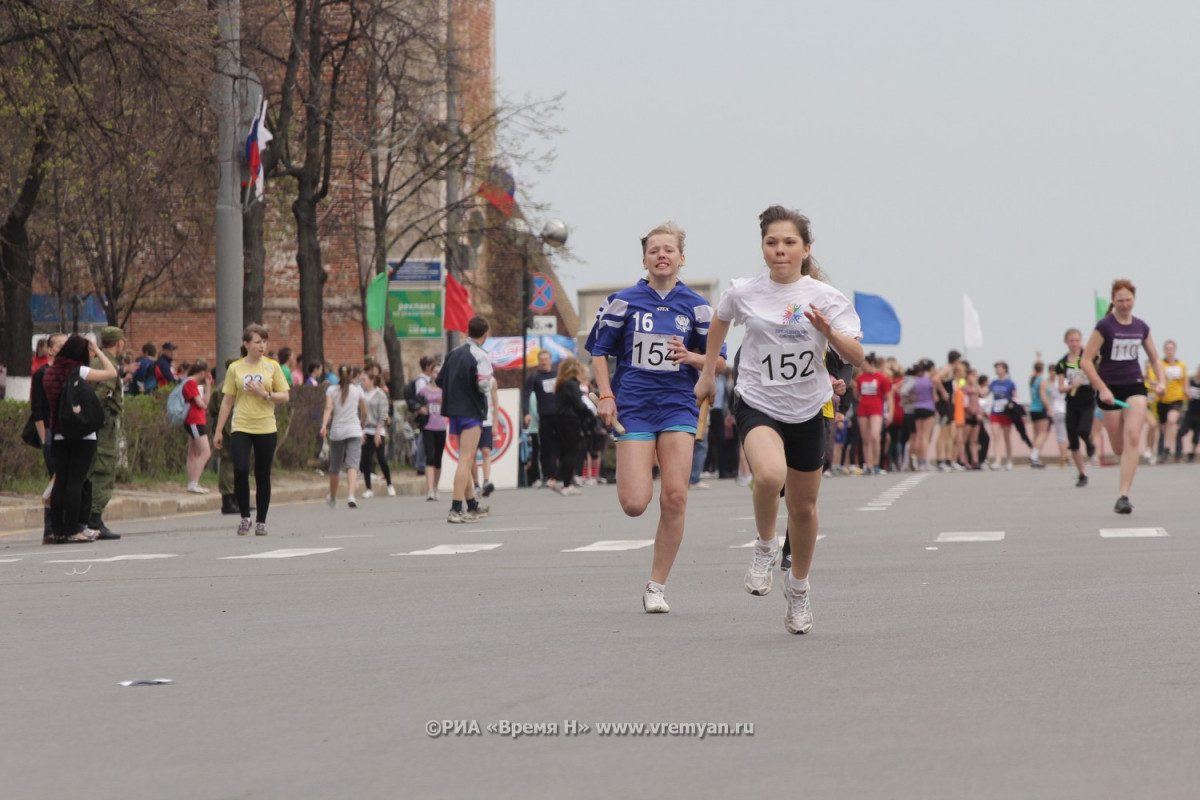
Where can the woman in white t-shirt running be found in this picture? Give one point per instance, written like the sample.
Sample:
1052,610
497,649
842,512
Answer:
791,316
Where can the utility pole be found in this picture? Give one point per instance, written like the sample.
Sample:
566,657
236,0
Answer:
453,177
229,206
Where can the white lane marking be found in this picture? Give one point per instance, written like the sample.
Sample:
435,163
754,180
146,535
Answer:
287,553
9,560
450,550
752,542
884,499
971,536
612,545
1132,533
352,536
501,530
137,557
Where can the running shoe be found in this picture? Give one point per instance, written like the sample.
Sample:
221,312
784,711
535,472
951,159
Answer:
1008,465
699,485
759,578
244,527
351,502
569,491
391,491
195,488
260,529
461,516
799,618
1079,484
331,501
488,488
785,563
653,601
994,466
743,480
957,467
1123,505
481,512
367,495
1037,464
431,497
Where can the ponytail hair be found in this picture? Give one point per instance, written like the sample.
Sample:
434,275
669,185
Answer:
344,378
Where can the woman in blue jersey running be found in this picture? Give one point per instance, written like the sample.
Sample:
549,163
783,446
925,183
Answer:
658,331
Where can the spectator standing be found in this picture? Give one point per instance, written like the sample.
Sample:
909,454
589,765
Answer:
571,420
540,385
433,437
346,408
41,356
465,380
285,363
196,388
41,421
375,432
70,499
253,386
164,368
145,378
103,474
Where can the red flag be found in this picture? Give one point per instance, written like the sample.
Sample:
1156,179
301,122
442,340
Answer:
458,306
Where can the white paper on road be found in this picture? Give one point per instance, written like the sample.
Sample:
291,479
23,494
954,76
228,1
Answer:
1132,533
136,557
612,545
971,536
287,553
451,550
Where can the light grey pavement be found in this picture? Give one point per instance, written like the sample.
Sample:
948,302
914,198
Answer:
1052,663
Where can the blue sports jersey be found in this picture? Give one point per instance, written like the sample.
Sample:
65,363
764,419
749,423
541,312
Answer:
635,324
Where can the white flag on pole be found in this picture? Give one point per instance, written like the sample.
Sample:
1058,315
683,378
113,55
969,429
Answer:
972,330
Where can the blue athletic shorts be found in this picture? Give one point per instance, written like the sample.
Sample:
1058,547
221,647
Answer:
652,436
460,424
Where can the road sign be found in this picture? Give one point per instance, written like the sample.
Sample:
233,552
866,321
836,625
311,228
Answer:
415,271
542,291
543,325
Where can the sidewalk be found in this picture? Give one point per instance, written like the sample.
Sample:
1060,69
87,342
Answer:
20,514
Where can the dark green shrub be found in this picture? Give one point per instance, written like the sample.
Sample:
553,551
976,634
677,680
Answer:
19,463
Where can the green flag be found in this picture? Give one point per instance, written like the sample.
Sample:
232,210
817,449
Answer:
377,301
1101,306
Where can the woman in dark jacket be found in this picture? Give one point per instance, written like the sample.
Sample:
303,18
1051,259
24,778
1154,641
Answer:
70,499
571,419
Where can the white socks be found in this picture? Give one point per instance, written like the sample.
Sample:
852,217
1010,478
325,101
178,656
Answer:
766,545
800,585
656,587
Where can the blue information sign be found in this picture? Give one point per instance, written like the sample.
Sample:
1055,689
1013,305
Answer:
415,271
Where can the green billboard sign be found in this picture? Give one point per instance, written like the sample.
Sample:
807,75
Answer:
416,313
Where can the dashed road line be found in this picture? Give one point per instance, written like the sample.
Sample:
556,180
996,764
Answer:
884,500
612,545
1132,533
286,553
971,536
451,550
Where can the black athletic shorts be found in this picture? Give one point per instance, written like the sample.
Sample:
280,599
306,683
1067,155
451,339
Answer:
1123,392
1038,415
803,442
1167,408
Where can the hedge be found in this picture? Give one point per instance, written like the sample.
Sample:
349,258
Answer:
153,447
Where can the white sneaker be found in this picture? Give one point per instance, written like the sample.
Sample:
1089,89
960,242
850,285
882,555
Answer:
699,485
431,497
482,511
391,491
368,494
1008,465
196,488
995,465
569,491
331,501
759,578
799,618
461,516
654,602
351,502
743,480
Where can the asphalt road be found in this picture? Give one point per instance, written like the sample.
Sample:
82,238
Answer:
1054,662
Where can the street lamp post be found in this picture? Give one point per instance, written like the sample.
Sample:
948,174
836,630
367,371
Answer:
554,233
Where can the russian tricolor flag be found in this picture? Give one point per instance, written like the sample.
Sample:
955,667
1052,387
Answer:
256,142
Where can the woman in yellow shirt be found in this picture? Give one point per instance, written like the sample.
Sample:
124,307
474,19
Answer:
252,388
1170,405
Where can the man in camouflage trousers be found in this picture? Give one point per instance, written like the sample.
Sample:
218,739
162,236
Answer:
103,473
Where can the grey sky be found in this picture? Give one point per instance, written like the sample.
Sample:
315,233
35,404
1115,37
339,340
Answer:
1026,153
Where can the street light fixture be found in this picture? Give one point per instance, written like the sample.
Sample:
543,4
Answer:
554,233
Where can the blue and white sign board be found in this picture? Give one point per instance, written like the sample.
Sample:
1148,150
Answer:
415,271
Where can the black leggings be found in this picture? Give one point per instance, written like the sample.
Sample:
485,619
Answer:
71,497
368,456
570,439
1079,426
263,445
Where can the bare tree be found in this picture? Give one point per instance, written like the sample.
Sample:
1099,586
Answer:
61,63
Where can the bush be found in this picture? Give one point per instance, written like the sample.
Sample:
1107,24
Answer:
20,464
299,426
153,447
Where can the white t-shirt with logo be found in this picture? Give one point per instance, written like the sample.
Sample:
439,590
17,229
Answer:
781,371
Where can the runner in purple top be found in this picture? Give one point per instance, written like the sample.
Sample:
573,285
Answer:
1117,339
